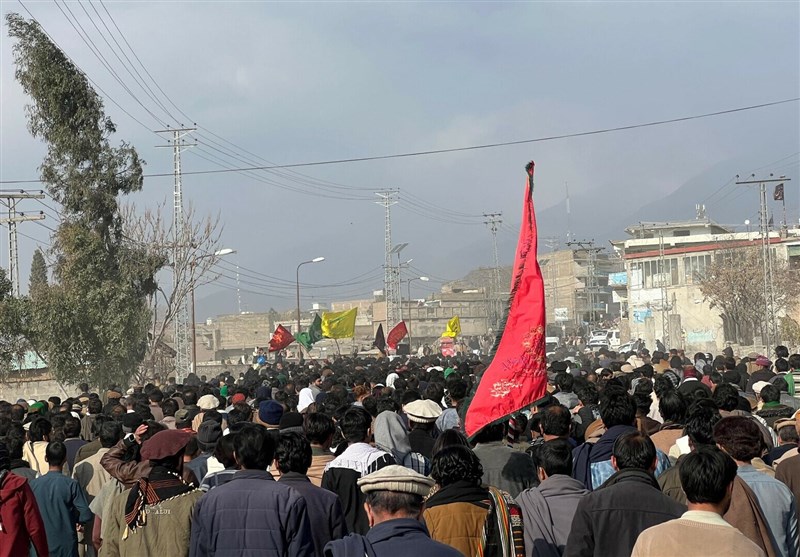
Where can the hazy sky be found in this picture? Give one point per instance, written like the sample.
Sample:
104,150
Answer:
297,82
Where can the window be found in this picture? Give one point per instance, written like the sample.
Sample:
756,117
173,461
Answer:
695,267
654,276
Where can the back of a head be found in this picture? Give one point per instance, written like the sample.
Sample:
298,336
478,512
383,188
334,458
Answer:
450,438
458,390
701,417
319,428
705,475
293,453
617,407
491,433
555,457
254,447
355,424
770,393
781,351
556,420
40,428
110,434
72,427
740,437
56,453
634,450
672,406
565,382
94,406
456,463
726,397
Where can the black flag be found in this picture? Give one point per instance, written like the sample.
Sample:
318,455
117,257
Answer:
778,195
380,340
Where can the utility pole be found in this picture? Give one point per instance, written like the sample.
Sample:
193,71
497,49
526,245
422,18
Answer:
183,344
12,220
665,340
493,221
552,243
387,199
591,277
770,326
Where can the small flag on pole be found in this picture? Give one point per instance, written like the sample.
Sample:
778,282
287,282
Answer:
453,327
312,335
380,340
778,195
396,335
340,324
281,338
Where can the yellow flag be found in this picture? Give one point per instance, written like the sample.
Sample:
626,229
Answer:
340,324
453,328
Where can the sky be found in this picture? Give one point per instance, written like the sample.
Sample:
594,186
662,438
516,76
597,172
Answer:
305,82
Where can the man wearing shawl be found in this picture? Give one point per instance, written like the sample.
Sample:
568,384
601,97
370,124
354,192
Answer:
155,516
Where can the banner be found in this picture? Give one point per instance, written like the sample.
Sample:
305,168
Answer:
380,340
517,375
453,328
778,195
281,338
312,335
340,324
396,335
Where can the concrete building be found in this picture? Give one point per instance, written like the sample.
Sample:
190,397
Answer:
660,289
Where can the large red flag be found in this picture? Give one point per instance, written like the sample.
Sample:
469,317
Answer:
281,338
517,375
396,335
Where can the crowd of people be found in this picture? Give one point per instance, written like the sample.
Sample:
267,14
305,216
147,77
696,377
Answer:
626,454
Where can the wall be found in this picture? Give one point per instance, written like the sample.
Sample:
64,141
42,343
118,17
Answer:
36,385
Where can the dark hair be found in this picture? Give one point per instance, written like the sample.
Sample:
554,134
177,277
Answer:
156,396
395,503
56,453
781,365
564,382
794,361
661,385
701,418
449,438
72,427
223,452
94,406
770,393
458,390
788,434
740,437
706,474
556,420
355,424
293,453
672,406
726,397
110,434
781,351
634,450
617,407
555,457
255,448
319,428
490,433
189,398
40,428
456,463
169,406
588,395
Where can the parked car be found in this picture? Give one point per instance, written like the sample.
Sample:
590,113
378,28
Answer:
551,345
599,339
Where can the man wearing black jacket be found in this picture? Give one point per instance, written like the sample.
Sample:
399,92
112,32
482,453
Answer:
608,520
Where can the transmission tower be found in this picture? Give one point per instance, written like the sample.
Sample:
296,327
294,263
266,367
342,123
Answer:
183,342
12,220
591,275
665,340
493,221
390,292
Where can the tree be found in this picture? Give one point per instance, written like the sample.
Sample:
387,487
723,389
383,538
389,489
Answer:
91,323
191,265
12,318
38,278
734,284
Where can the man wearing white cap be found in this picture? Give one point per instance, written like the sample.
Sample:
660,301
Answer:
394,503
422,415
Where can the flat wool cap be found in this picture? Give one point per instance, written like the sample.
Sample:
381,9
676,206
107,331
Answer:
424,411
165,444
208,402
396,478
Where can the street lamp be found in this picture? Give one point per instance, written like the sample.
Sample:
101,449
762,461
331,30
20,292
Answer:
297,275
218,253
408,287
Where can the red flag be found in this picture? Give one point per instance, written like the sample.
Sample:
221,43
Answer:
281,338
396,335
517,375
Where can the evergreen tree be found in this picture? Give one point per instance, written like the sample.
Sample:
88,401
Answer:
38,278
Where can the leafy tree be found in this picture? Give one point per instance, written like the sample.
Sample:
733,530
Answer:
734,284
91,323
12,328
38,277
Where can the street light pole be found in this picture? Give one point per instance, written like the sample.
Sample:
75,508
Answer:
297,283
219,253
408,288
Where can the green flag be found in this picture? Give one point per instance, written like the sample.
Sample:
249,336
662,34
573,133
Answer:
312,335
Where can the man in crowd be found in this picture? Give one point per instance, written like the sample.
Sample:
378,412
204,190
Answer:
22,524
707,476
393,502
252,513
319,430
609,520
503,467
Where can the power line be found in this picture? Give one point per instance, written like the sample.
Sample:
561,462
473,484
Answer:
469,148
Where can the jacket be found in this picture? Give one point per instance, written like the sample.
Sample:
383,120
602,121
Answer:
505,468
670,482
608,521
456,514
401,537
324,510
547,513
251,515
788,471
20,519
127,473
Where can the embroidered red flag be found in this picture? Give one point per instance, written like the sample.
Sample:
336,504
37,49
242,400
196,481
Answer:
396,335
281,338
517,375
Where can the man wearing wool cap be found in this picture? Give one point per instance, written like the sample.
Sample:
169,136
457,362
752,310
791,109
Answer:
394,503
